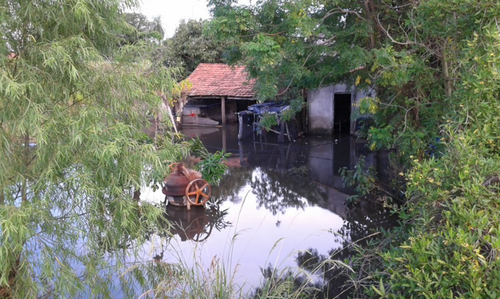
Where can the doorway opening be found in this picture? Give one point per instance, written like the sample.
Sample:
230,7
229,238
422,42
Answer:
342,113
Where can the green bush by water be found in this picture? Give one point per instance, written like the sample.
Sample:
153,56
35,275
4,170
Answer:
211,165
449,245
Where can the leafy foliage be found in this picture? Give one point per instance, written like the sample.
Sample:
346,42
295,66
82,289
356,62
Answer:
143,29
362,179
190,46
307,44
289,44
449,244
454,216
434,66
211,165
73,110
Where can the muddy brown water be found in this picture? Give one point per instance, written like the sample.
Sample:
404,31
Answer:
279,205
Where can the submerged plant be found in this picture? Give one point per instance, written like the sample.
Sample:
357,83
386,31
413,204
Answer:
363,180
211,165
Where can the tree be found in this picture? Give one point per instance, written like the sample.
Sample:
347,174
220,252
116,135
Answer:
143,29
190,47
73,108
434,65
287,44
308,44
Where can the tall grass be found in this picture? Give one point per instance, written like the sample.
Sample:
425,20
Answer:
183,279
190,277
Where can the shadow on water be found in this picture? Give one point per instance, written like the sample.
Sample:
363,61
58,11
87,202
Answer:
286,193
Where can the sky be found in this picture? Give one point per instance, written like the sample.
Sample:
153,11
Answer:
173,11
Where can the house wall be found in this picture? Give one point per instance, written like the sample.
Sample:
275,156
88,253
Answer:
321,107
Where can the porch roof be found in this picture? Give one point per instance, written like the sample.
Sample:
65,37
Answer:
221,80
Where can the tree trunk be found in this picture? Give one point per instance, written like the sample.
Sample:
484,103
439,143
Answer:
137,194
370,18
6,291
446,73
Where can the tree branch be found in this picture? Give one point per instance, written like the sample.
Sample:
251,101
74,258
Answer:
406,43
342,11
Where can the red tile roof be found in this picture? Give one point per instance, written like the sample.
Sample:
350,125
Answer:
220,80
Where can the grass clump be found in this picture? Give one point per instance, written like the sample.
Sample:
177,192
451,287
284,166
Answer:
183,279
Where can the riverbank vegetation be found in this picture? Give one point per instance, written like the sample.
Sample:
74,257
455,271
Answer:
434,66
78,85
74,102
449,244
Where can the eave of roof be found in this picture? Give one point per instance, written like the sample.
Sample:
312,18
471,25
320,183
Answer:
221,80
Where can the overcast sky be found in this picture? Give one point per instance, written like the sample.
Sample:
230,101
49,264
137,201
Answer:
173,11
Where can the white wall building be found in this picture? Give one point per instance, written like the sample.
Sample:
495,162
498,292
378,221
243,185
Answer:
334,109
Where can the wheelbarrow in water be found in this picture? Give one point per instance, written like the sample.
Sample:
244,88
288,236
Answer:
185,187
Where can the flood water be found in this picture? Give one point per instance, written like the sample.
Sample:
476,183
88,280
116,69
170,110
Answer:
278,205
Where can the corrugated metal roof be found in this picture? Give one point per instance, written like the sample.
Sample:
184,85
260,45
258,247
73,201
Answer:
220,80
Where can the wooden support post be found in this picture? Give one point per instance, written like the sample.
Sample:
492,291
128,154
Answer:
224,139
281,137
288,132
223,109
241,152
240,127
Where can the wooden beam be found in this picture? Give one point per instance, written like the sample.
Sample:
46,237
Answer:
224,139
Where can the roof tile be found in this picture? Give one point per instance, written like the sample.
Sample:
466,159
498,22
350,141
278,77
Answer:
221,80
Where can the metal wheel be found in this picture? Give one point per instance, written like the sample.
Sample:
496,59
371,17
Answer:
198,192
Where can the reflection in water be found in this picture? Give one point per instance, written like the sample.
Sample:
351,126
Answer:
272,194
278,201
196,224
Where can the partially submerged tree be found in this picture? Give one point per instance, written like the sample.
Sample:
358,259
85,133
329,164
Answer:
434,65
72,115
286,44
385,45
